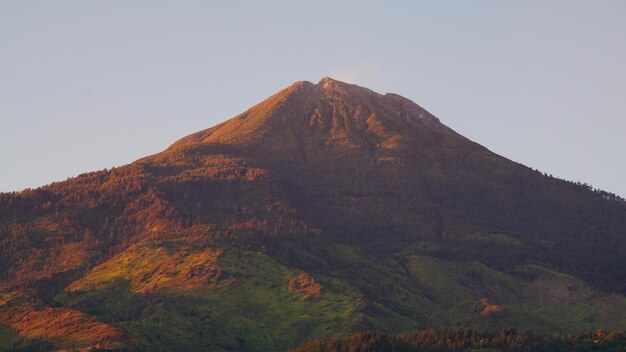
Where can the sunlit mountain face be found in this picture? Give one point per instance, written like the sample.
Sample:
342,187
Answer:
324,210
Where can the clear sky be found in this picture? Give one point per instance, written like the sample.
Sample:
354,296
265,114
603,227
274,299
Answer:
86,85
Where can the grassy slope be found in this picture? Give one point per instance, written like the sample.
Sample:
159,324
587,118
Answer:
249,307
435,287
175,295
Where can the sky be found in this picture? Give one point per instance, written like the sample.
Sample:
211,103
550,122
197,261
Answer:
87,85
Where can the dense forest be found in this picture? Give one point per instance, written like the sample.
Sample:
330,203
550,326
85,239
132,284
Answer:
467,339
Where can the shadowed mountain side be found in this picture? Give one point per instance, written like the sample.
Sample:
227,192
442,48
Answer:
383,160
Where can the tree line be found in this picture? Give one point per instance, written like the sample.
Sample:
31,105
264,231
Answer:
467,339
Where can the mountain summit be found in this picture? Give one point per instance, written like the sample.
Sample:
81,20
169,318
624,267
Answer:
325,209
329,112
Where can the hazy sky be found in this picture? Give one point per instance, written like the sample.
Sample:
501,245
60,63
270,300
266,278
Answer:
86,85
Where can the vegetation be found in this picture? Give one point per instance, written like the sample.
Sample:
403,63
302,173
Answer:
467,339
11,341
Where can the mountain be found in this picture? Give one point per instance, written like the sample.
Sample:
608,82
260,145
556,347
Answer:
325,209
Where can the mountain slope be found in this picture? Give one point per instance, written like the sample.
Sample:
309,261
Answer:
325,209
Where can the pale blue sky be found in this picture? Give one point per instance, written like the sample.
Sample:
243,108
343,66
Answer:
86,85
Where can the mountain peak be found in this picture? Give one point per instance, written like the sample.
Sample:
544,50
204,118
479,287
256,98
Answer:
329,112
327,81
323,82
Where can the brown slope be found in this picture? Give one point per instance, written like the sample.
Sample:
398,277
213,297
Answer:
350,139
66,328
306,116
334,138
